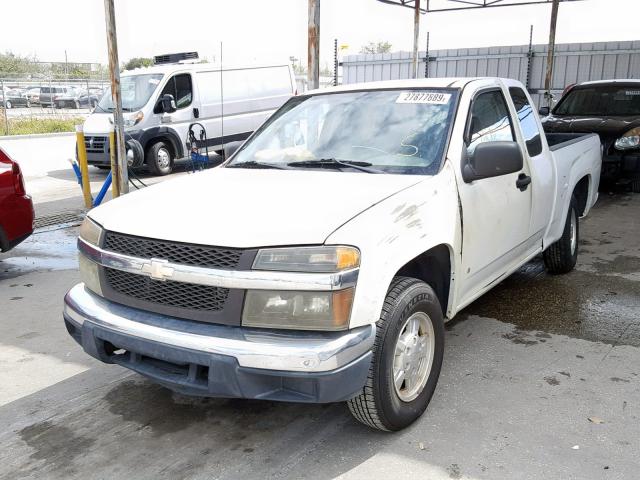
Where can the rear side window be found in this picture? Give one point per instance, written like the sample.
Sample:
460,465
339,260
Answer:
489,120
527,120
180,87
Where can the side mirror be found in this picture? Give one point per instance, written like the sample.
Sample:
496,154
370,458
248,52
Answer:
168,103
544,111
492,159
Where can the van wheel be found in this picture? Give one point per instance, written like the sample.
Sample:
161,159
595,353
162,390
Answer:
407,357
159,159
562,255
76,105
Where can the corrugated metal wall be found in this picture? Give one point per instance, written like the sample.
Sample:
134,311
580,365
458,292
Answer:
574,62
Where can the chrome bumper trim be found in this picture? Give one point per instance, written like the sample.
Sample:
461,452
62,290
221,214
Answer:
243,279
299,351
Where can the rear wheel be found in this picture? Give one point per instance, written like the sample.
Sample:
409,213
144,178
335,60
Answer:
8,103
159,159
407,357
562,255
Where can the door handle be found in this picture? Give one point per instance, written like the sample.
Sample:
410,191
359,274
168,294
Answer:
523,182
196,113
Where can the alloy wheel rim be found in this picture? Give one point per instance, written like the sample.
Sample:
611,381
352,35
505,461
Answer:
574,232
163,158
413,356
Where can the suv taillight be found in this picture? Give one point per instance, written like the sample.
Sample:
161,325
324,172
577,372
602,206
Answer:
18,180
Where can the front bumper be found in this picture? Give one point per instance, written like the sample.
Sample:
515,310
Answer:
195,358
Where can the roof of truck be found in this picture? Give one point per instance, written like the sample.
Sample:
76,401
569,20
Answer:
181,67
452,82
611,82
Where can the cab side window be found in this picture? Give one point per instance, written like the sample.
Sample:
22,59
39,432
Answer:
489,120
180,87
527,120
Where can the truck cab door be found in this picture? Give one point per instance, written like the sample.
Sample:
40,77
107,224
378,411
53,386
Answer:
180,86
496,211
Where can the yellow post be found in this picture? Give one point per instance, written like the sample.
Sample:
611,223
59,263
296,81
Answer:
84,167
115,172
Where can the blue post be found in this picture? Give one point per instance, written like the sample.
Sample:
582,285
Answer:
103,191
76,169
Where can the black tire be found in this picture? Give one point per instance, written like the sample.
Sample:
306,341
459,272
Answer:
28,104
8,104
76,105
103,167
562,255
155,159
379,405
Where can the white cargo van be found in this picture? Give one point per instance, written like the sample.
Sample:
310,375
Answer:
160,102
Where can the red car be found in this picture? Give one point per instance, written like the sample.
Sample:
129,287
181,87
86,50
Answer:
16,207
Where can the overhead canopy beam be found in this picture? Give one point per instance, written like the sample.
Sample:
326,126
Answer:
427,5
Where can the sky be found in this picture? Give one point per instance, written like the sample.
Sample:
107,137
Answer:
274,30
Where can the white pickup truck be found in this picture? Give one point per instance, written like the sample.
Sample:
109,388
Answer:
320,262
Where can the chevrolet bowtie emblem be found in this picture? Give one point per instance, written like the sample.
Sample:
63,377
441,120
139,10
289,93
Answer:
157,269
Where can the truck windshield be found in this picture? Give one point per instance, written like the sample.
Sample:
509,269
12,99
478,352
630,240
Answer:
136,91
389,131
600,101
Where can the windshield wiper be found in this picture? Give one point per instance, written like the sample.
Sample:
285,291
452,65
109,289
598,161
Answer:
335,163
254,164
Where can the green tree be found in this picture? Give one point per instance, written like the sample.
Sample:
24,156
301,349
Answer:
376,47
137,62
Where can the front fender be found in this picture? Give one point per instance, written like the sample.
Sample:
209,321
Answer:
392,233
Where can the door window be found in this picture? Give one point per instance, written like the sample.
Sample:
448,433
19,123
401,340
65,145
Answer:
490,121
527,120
180,87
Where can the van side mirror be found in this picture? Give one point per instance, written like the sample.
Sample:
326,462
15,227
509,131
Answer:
492,159
544,111
168,103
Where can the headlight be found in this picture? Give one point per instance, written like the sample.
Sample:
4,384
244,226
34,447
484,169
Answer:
90,231
134,119
629,140
298,310
89,274
324,259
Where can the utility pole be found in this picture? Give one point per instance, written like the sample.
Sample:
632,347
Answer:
550,51
121,175
313,45
416,35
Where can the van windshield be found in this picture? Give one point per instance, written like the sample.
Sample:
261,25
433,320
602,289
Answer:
136,91
381,131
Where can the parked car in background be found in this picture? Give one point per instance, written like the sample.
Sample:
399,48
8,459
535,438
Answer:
33,94
14,98
16,207
610,108
376,213
160,103
48,94
76,98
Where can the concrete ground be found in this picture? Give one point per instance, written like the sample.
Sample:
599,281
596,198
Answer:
541,380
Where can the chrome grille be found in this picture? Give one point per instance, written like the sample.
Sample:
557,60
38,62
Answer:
168,293
95,144
175,252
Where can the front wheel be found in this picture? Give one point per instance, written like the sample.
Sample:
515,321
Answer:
159,159
407,357
562,255
8,103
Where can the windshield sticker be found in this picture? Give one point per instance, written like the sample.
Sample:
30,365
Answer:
632,92
154,81
431,98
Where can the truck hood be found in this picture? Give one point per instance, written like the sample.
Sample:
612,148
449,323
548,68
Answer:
98,123
248,208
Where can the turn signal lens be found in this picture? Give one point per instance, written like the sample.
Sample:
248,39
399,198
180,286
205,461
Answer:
90,231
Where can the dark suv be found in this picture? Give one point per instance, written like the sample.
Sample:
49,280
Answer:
610,108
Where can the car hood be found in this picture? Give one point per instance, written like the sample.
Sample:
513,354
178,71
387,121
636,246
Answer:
248,208
98,123
604,126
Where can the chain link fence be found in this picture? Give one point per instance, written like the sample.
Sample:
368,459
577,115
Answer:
44,105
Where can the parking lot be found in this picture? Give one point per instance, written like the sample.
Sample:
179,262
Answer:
540,380
37,111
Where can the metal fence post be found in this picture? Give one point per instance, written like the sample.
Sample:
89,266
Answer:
4,108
